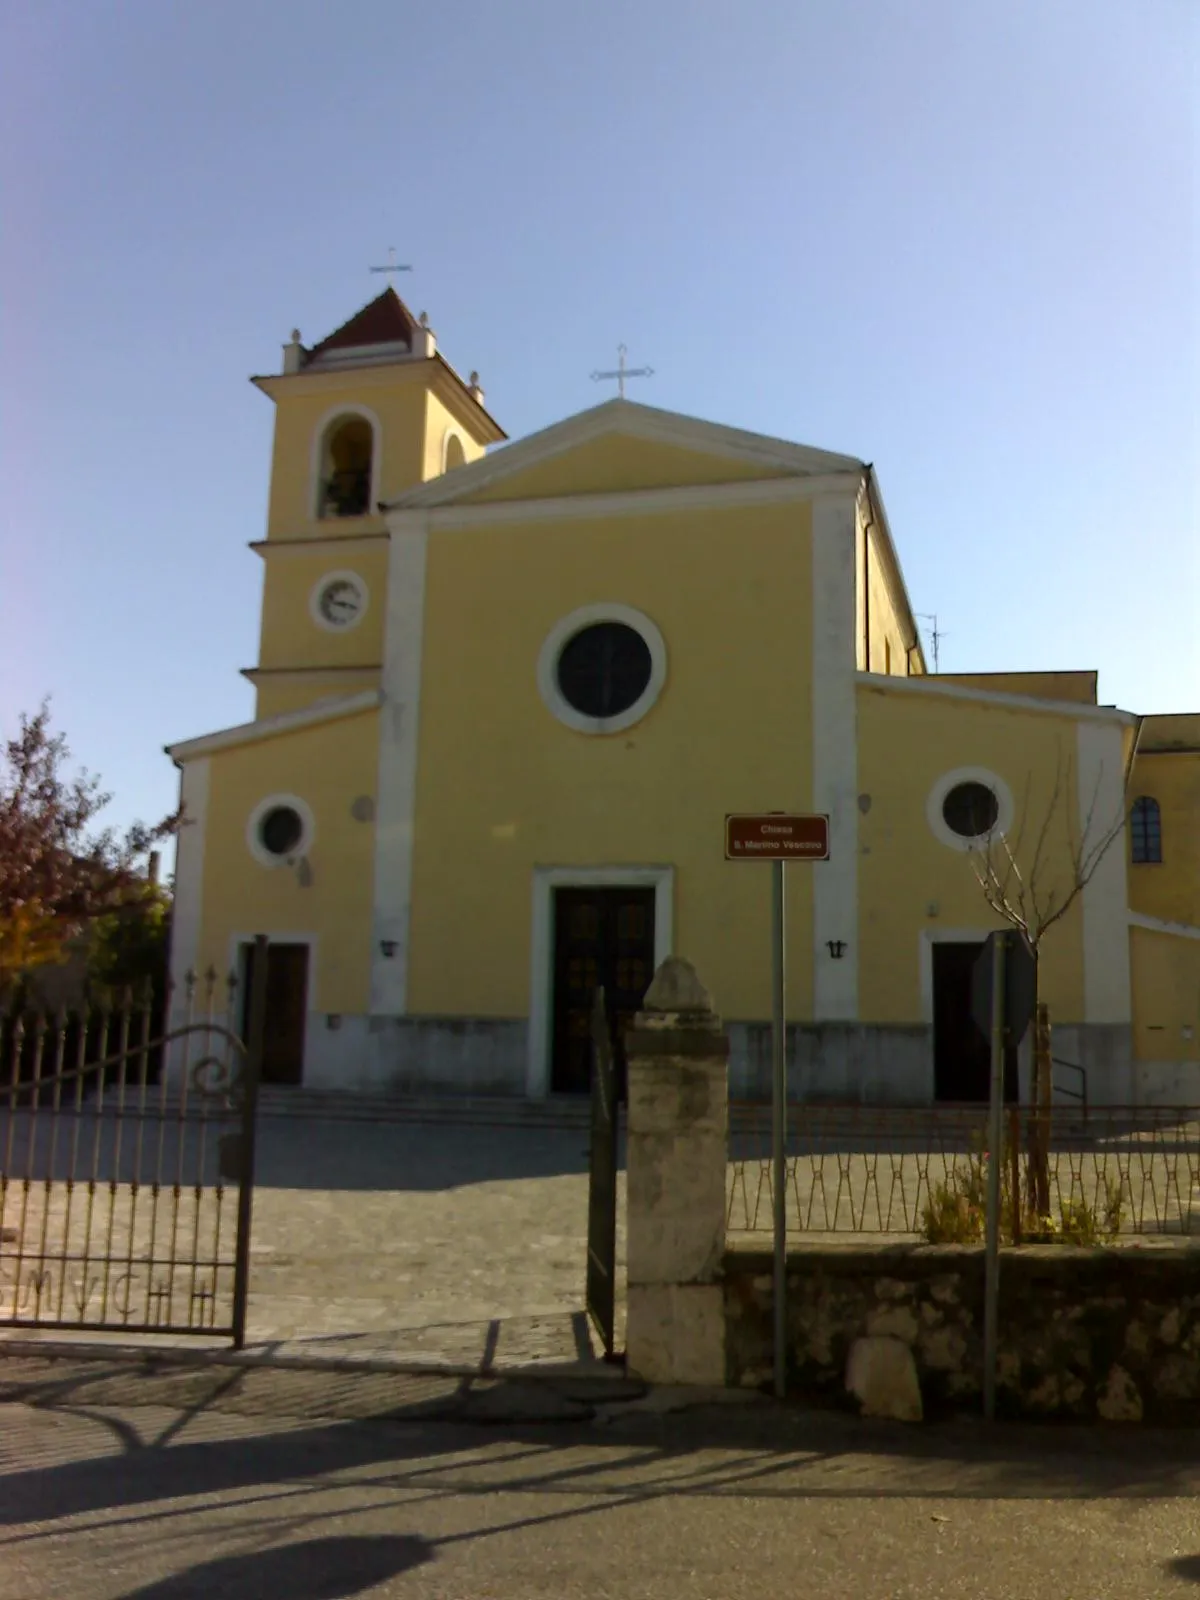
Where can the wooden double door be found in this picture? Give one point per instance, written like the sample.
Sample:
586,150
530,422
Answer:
287,1007
602,938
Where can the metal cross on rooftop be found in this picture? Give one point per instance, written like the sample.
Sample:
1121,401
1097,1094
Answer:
620,372
393,265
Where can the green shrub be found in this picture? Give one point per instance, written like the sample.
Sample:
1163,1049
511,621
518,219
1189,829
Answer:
956,1210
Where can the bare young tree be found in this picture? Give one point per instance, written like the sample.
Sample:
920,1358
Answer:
1034,896
1034,891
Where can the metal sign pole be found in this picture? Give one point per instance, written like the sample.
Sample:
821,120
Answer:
991,1292
779,1119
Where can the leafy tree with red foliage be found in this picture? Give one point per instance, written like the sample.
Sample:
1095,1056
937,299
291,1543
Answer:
56,877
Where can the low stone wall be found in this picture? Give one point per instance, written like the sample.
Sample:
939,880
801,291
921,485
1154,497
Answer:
1110,1333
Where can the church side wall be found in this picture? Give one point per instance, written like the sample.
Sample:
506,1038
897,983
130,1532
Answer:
440,420
882,636
915,889
328,901
1166,1016
1170,889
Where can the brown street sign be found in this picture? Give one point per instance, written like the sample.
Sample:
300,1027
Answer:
776,836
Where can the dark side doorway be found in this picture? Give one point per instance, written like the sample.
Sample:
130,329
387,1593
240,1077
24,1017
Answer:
602,937
287,1005
961,1052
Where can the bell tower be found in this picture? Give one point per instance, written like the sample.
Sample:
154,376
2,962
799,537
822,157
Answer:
371,410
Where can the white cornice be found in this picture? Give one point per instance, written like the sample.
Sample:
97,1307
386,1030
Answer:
931,687
271,727
1181,930
630,420
318,380
361,355
435,370
309,674
325,544
633,502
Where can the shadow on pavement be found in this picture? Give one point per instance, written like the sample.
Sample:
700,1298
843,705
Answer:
297,1154
313,1569
634,1455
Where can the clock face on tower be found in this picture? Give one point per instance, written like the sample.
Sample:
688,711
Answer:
338,601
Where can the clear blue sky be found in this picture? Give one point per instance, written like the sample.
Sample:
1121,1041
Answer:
955,237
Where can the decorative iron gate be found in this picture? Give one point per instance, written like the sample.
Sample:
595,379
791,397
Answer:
602,1180
128,1166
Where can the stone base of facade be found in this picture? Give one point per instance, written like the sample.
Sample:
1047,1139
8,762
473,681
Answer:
835,1061
846,1063
418,1055
1167,1083
1105,1052
892,1064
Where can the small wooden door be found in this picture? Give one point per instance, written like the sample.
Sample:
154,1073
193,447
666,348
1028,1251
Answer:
602,938
287,1005
961,1051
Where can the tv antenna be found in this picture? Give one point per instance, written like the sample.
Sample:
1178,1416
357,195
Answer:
935,633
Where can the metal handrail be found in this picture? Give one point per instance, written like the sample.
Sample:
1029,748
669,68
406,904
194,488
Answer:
1080,1094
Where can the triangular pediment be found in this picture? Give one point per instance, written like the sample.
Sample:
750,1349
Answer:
620,447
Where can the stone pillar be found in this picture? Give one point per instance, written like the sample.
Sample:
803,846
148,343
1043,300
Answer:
677,1149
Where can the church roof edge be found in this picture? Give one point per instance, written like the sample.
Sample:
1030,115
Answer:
384,320
637,420
271,727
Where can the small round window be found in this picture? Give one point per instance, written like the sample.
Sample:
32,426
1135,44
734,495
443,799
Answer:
281,830
601,668
970,810
604,669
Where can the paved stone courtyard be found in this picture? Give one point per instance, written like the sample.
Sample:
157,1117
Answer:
456,1243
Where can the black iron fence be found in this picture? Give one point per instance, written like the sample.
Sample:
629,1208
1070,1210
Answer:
126,1164
1067,1173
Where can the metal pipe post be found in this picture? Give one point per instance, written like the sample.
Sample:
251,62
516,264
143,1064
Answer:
779,1118
251,1074
991,1290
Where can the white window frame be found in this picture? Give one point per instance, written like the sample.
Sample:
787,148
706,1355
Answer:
950,780
308,830
566,629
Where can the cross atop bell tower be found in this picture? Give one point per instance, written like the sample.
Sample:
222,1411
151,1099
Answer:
393,265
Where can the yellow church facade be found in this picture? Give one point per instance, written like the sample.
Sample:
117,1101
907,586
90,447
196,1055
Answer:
505,698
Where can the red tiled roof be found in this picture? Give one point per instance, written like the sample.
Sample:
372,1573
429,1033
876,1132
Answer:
385,320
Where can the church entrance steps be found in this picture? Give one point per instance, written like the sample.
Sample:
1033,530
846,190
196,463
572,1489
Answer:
558,1111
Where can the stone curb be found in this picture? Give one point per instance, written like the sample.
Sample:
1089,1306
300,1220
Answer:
490,1398
301,1361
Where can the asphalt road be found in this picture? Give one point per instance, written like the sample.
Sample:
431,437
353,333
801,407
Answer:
116,1485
